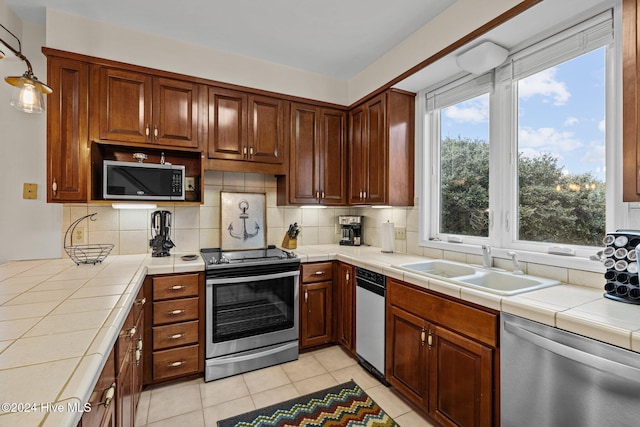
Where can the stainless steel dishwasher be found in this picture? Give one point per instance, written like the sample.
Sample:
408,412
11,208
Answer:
370,320
551,377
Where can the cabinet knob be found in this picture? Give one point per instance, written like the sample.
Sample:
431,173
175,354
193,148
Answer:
364,194
177,287
141,301
54,186
244,151
146,130
155,132
176,364
322,195
251,151
347,276
306,295
108,395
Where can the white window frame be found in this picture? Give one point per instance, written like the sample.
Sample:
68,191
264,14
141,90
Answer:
504,192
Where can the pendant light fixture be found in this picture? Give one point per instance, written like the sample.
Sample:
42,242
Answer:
28,92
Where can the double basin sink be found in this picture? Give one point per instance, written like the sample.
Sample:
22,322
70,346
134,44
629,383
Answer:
485,279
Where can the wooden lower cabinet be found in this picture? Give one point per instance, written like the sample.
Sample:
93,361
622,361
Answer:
441,355
176,331
315,304
407,362
102,413
344,313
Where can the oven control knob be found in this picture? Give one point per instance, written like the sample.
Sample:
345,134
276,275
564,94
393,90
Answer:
224,260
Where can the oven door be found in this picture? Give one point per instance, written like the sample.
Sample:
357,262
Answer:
250,312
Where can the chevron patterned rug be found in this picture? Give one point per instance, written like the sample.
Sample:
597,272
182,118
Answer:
345,405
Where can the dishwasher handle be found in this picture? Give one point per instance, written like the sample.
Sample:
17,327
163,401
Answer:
596,362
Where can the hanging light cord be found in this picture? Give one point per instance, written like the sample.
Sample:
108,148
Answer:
18,52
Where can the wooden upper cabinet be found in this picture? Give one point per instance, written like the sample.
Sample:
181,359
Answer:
317,155
67,130
381,150
227,135
631,101
139,108
266,129
175,113
245,126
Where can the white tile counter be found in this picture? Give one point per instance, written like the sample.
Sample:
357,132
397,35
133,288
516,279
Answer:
579,309
58,323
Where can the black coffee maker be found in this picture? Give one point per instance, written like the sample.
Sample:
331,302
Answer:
351,230
160,233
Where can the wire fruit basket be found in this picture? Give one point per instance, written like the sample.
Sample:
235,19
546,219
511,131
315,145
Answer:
85,254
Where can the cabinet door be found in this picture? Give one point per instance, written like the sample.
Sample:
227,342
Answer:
346,307
266,129
124,105
125,384
67,130
102,411
175,113
303,170
332,158
357,140
316,314
407,355
375,164
227,124
631,102
461,371
138,361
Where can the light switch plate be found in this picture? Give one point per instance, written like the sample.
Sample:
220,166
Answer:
29,191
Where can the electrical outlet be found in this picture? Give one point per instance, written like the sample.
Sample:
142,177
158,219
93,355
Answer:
190,183
78,235
401,233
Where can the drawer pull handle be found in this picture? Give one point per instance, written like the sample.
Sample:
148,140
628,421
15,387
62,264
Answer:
130,333
319,273
430,339
108,395
177,312
138,357
142,301
176,336
177,287
140,344
177,364
422,337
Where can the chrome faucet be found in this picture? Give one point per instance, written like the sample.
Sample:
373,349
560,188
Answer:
487,260
516,264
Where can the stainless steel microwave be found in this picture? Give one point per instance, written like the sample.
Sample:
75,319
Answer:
142,181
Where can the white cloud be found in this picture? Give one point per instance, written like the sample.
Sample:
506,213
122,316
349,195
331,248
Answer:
547,140
602,125
571,121
545,84
473,111
595,154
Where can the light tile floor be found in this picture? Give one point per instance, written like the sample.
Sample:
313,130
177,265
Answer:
199,404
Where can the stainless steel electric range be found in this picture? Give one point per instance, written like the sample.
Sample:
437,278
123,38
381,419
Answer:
251,309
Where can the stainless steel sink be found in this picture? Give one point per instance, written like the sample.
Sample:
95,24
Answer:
497,282
506,283
440,268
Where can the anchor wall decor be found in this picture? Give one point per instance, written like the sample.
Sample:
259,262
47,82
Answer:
243,220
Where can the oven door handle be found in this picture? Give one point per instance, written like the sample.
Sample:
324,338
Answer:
227,280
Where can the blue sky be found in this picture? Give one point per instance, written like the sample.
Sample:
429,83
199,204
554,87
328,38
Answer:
561,111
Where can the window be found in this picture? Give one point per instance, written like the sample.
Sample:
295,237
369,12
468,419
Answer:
517,156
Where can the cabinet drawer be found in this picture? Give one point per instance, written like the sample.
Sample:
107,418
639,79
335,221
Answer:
317,272
459,317
180,286
175,362
175,311
175,335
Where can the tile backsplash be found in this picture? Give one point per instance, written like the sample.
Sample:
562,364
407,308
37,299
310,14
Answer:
196,227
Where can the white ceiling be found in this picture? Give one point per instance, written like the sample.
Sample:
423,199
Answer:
331,37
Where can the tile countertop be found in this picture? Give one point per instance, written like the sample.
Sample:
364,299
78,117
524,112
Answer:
579,309
58,323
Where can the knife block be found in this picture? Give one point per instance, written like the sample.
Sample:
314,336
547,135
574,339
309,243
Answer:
288,242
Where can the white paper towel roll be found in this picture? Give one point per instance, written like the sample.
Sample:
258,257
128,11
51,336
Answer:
387,237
